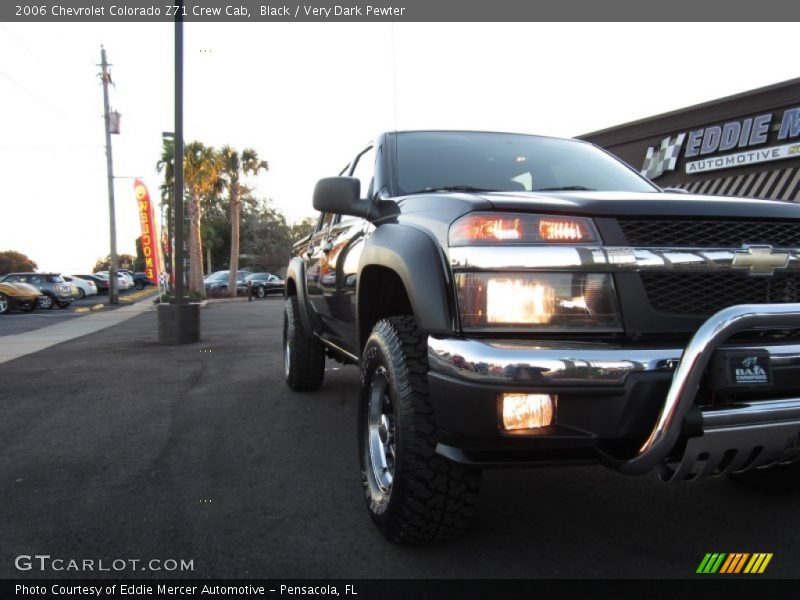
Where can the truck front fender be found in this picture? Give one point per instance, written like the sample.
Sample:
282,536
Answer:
296,273
418,260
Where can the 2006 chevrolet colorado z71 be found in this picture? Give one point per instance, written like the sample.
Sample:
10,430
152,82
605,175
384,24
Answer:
524,300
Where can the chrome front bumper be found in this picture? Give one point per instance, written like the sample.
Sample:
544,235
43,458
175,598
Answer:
556,363
737,439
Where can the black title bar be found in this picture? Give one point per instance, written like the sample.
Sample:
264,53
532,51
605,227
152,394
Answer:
401,10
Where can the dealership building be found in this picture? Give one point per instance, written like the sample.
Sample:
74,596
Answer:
742,145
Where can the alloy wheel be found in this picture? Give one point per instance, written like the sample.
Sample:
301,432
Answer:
287,349
380,431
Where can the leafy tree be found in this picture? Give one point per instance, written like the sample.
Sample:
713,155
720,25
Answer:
234,167
138,263
11,261
266,237
303,228
124,261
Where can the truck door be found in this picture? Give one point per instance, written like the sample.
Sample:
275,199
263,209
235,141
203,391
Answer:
340,266
339,262
312,257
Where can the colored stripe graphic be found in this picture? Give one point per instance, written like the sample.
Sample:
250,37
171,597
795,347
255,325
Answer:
711,562
734,563
758,563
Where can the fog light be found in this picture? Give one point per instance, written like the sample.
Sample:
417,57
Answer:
527,411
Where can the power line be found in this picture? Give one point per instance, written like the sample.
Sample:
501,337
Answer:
19,41
34,95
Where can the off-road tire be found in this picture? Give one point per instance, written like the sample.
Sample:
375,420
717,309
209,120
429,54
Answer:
780,479
303,357
430,498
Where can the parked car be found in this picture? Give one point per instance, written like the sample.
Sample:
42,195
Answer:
17,296
83,287
141,281
264,283
55,291
525,300
217,283
129,275
101,283
124,282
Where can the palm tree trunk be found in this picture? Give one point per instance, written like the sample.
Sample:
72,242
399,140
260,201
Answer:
234,263
195,248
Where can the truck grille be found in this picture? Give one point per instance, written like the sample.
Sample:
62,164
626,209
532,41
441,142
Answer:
716,234
706,293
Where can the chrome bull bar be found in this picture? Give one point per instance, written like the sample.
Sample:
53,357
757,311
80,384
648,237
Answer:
738,439
733,440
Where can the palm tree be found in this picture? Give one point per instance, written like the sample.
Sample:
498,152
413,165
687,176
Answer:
234,167
201,170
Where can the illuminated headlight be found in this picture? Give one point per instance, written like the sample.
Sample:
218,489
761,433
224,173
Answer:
538,301
527,411
479,229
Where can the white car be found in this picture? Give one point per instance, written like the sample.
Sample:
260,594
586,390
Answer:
124,282
84,287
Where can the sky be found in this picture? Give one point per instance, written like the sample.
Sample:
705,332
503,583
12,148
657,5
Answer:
309,96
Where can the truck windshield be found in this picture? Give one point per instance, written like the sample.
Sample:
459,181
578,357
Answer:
429,161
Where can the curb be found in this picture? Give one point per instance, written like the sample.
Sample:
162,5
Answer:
28,342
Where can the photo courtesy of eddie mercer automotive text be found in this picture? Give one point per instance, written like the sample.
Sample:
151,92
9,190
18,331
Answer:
516,300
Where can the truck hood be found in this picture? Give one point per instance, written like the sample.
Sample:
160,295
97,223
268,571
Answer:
628,204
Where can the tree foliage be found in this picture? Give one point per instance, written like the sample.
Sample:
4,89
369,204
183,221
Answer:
234,166
303,228
216,199
124,261
266,238
202,169
11,261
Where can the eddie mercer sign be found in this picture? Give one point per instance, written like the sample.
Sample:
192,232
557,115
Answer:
704,145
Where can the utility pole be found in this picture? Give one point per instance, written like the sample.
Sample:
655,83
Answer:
179,323
112,220
179,223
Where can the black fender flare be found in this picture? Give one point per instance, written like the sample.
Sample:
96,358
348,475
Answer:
296,272
418,259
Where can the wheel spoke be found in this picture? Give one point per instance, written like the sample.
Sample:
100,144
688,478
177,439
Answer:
380,435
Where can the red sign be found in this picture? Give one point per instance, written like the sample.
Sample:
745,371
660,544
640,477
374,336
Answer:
150,250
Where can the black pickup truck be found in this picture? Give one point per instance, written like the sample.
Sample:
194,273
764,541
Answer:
522,300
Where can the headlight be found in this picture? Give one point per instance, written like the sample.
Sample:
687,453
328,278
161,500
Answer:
520,228
538,301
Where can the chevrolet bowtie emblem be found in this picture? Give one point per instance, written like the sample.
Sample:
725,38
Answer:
761,260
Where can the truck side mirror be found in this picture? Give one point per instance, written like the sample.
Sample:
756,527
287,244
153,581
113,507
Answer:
341,195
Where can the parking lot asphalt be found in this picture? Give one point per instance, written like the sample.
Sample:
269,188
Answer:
116,447
19,322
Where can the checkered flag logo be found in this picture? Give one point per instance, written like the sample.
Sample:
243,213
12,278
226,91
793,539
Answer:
662,158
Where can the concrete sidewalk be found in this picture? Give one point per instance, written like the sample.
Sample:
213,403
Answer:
21,344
